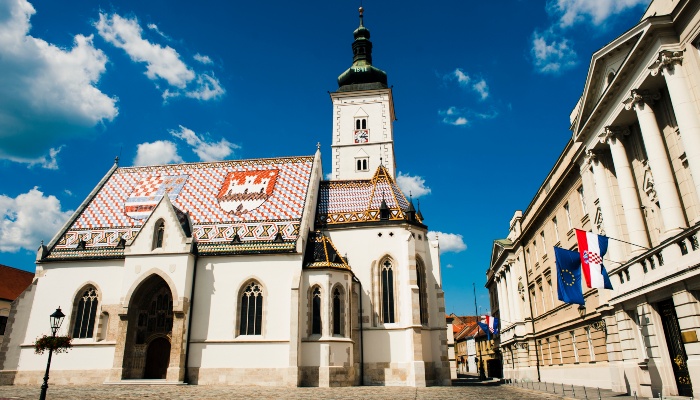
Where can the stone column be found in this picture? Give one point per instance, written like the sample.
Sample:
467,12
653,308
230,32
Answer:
506,304
664,182
602,188
516,314
628,189
511,303
501,300
669,63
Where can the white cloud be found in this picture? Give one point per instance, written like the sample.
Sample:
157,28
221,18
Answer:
47,94
449,242
552,55
412,185
158,152
29,218
464,80
597,12
329,176
482,88
459,121
206,151
155,29
449,266
162,63
203,59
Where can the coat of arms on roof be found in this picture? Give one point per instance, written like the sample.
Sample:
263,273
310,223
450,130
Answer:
146,195
243,191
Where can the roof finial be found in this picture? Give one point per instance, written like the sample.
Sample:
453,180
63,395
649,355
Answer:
116,160
318,145
362,11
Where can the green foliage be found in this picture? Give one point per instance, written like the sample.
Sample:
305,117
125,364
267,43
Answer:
58,344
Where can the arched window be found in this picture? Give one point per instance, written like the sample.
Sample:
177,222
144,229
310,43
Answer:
422,295
158,234
316,311
338,312
364,123
251,310
387,276
85,311
357,124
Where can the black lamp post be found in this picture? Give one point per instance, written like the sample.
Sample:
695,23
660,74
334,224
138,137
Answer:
56,319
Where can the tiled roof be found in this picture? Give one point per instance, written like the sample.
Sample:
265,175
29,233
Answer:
251,199
13,282
352,201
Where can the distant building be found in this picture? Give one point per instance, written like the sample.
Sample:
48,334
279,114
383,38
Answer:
248,271
12,283
631,171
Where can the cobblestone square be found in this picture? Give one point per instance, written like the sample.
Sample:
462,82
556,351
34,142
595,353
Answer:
100,392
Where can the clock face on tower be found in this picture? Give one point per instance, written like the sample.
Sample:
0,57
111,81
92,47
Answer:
361,136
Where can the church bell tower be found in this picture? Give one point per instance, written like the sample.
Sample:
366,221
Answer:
363,116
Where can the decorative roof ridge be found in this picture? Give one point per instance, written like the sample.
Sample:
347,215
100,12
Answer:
382,174
134,167
331,259
79,211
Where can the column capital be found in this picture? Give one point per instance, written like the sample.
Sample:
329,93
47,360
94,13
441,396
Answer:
611,133
591,157
640,97
667,59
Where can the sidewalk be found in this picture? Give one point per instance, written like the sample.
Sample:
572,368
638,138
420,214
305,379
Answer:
578,392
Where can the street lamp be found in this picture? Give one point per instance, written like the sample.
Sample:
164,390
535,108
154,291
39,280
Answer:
56,319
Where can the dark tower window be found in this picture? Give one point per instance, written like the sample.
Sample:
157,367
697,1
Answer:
422,297
316,311
357,124
337,312
364,123
251,310
158,236
84,318
388,293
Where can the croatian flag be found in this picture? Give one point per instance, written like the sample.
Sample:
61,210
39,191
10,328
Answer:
592,248
489,325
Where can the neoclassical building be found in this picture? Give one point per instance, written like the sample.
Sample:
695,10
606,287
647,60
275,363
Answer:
631,172
247,271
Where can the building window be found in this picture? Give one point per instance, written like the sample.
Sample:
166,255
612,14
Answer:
158,234
582,198
361,123
361,134
3,325
551,290
251,310
338,312
387,273
561,357
573,345
591,350
422,296
529,259
568,216
316,311
544,304
544,243
537,252
556,228
85,311
533,300
361,164
549,347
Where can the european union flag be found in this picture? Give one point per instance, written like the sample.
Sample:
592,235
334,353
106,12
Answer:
569,288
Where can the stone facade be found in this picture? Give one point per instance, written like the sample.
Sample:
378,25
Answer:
631,173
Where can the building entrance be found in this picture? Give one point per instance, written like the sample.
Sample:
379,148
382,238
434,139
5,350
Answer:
676,349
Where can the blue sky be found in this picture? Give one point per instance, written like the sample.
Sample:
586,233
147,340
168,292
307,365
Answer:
482,92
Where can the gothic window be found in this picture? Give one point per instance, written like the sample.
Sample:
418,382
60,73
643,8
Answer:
158,234
387,277
85,311
338,312
157,316
422,297
316,311
251,310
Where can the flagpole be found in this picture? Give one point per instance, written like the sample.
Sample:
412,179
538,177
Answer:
480,365
624,241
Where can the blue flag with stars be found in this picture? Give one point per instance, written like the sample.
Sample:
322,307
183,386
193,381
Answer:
569,289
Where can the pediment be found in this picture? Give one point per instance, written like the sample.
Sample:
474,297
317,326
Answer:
361,154
175,235
499,246
361,113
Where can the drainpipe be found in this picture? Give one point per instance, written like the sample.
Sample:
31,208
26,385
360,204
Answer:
189,321
362,347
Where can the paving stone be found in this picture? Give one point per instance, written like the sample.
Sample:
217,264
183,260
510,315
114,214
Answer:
104,392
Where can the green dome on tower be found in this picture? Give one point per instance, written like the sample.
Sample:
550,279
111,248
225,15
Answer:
362,75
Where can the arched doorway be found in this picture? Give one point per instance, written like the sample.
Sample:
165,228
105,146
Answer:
149,332
157,358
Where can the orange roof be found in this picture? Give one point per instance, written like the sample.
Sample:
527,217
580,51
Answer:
13,282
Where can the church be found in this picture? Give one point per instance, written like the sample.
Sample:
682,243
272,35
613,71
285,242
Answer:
245,272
